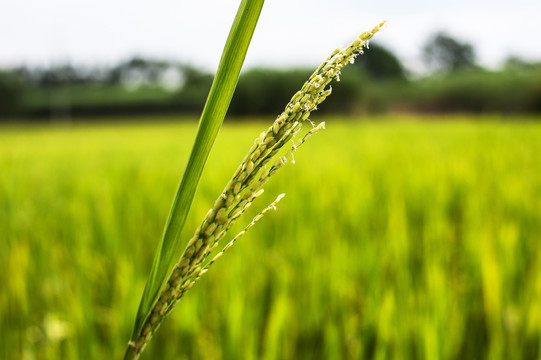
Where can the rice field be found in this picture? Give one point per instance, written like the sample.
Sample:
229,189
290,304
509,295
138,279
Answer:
399,238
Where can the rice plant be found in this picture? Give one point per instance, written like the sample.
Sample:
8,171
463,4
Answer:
270,152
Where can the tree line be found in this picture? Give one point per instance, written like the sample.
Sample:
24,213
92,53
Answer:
377,82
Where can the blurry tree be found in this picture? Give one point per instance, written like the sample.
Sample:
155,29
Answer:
193,93
516,63
54,76
381,64
11,90
59,75
444,53
114,75
265,91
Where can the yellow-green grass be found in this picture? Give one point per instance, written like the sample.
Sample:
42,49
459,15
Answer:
399,238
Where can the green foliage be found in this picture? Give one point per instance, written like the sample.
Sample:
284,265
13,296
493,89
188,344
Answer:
445,53
382,64
410,239
479,91
191,97
219,97
266,91
97,100
245,185
374,84
514,89
11,89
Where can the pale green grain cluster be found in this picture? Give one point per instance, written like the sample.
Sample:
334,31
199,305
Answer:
262,161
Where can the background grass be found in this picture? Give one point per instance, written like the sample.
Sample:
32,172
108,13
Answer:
400,239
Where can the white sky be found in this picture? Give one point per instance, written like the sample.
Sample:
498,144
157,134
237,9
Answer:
290,32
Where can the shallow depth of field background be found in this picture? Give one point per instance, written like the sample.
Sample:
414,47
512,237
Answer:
400,237
411,226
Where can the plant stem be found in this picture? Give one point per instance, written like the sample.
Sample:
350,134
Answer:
211,120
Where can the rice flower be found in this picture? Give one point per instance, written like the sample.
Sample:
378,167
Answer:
260,163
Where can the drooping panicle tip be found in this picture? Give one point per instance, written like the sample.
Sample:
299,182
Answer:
378,27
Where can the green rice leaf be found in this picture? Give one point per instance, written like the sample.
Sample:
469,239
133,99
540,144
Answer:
211,120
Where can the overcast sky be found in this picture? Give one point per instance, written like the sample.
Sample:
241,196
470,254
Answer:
290,32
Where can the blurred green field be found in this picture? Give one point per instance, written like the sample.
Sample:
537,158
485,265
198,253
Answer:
398,238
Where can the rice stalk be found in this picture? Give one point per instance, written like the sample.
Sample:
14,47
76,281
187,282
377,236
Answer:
214,111
260,163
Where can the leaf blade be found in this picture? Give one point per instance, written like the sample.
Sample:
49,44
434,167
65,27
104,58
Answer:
214,111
